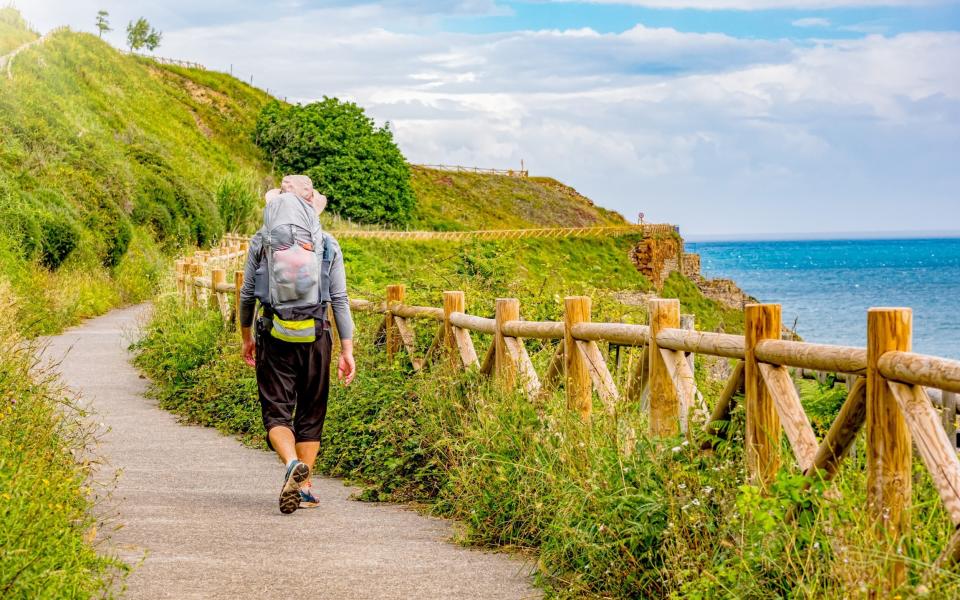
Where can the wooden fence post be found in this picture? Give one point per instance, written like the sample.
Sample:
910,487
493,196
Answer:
577,375
889,451
395,293
664,401
217,277
195,294
238,285
507,309
452,302
178,271
762,440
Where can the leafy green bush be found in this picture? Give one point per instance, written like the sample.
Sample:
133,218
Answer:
60,236
118,236
238,199
354,163
22,229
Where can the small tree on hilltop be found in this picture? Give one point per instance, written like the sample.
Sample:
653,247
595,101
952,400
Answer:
141,35
356,164
153,40
103,25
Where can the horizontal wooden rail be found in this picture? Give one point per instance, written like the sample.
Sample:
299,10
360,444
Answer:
542,330
920,369
368,306
701,342
623,334
817,357
416,312
478,324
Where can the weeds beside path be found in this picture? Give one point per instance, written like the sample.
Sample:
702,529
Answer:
202,508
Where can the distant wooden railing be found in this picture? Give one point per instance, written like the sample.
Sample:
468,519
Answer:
511,234
886,382
172,61
459,169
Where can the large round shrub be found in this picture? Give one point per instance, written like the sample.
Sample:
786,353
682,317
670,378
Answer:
61,235
22,228
356,164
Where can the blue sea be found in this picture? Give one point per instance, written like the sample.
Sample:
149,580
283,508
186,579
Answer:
826,286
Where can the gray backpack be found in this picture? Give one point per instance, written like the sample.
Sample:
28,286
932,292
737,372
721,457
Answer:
294,249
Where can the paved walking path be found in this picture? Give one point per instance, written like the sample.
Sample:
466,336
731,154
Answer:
202,508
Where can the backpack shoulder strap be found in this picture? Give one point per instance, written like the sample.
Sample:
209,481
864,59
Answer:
326,263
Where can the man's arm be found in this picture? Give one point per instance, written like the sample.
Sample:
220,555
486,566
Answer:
248,300
340,303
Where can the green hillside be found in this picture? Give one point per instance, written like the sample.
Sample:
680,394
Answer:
13,31
450,201
107,161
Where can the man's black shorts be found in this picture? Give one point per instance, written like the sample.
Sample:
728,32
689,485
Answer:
293,380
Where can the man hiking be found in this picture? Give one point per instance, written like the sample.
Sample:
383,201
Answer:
296,272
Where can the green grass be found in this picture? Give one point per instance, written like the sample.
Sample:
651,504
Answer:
46,528
14,31
449,201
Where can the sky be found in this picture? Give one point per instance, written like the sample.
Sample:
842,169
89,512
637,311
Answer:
725,117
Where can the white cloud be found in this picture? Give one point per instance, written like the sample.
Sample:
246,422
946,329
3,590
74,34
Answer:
811,22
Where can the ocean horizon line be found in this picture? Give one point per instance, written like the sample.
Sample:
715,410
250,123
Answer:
830,236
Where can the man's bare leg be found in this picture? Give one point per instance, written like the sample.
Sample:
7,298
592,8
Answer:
282,440
307,453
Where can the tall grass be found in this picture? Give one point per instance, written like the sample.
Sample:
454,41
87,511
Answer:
47,532
606,512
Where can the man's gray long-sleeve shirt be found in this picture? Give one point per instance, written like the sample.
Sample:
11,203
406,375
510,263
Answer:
338,287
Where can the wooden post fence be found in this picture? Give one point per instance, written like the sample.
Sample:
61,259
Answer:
885,384
507,309
576,375
761,322
456,341
889,451
664,401
395,294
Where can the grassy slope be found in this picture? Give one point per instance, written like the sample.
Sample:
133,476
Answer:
46,527
13,31
111,142
464,201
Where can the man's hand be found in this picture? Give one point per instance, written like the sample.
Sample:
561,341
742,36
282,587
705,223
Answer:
249,347
347,369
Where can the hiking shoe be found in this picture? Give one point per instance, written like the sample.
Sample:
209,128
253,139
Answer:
297,473
307,498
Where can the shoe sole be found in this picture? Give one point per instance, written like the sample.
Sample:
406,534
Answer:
290,494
